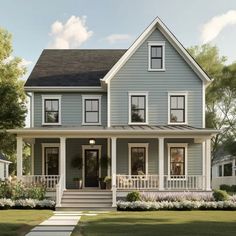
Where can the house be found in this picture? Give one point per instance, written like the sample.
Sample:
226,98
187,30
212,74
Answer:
224,171
144,108
4,167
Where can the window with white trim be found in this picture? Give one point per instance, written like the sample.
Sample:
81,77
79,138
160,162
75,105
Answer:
177,108
138,110
91,110
220,171
156,60
51,110
177,160
138,158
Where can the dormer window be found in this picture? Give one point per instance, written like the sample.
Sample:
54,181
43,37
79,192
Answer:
51,108
156,60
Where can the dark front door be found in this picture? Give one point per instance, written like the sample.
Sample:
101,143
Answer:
91,168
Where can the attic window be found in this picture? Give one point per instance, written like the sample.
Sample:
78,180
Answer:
156,60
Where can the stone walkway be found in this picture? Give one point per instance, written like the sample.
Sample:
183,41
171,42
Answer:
62,223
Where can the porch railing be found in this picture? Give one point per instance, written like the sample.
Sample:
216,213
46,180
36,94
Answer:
184,182
137,181
142,182
50,181
59,191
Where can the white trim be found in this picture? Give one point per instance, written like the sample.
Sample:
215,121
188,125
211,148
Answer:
204,163
89,147
182,145
156,43
44,97
97,97
146,107
109,155
6,162
46,145
185,94
64,89
32,110
108,105
134,145
157,23
19,156
32,158
203,105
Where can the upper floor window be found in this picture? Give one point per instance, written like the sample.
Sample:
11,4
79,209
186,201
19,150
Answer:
177,108
51,114
177,156
156,61
138,108
91,110
228,169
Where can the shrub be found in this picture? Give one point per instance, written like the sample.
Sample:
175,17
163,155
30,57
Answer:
133,196
220,195
225,187
6,203
36,192
233,188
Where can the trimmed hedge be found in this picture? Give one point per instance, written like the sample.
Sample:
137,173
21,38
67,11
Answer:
228,188
179,206
26,204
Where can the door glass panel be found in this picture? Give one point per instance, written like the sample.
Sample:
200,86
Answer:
52,160
91,168
138,160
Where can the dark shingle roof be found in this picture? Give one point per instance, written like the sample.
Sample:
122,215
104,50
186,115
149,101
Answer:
73,67
2,157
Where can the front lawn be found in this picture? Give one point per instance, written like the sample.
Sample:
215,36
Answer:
20,222
161,223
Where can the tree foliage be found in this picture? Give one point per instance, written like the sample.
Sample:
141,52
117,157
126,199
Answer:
220,94
12,96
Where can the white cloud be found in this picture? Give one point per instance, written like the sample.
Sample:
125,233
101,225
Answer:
213,27
70,34
25,63
114,38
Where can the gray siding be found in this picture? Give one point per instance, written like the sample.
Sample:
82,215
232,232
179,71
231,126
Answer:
134,76
71,108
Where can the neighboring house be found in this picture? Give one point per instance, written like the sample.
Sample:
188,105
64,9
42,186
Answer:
224,171
143,107
4,167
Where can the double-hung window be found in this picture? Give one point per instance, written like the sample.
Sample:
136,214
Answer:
138,108
177,108
156,60
91,110
177,160
51,111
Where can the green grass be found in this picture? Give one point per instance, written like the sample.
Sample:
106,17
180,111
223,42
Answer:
20,222
161,223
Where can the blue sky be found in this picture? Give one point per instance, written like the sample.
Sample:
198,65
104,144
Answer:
36,25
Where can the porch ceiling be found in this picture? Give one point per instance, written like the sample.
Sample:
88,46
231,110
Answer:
118,131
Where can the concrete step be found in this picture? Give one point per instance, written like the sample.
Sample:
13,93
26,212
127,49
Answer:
78,196
85,208
85,200
87,192
89,205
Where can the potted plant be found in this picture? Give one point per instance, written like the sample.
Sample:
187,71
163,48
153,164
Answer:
78,182
102,183
107,180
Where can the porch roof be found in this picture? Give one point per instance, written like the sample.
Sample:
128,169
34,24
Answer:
118,130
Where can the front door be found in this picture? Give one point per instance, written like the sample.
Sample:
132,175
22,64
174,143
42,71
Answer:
91,167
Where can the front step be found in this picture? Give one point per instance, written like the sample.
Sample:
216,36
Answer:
86,200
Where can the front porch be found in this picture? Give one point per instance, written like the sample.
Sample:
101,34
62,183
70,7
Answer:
174,161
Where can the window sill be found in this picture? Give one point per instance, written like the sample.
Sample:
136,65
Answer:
51,124
137,123
88,124
156,69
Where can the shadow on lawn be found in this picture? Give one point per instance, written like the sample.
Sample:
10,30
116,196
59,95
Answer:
148,227
14,229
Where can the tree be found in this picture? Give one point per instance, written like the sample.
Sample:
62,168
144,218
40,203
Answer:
12,96
220,94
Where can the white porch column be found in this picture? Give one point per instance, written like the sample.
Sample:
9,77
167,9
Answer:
113,170
7,170
161,162
109,155
19,153
63,161
208,164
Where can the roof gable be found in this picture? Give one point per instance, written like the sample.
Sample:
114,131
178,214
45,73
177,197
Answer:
158,24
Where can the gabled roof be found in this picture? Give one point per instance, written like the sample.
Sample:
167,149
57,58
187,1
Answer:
3,158
72,67
158,24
